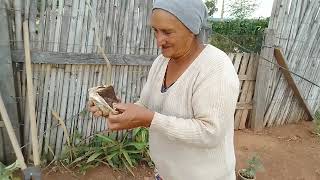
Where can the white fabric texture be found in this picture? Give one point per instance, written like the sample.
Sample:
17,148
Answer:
192,132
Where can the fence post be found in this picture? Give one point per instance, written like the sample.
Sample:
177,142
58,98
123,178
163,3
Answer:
7,88
261,87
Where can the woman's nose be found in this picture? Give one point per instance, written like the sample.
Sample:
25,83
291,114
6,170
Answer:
161,39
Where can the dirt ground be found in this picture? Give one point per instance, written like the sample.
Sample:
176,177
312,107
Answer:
290,152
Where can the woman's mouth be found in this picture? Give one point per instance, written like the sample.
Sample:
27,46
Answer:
165,47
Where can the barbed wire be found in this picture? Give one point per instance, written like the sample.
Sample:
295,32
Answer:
270,61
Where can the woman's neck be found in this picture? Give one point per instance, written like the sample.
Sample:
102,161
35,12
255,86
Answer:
193,51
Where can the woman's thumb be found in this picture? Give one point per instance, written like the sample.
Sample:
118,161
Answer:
119,107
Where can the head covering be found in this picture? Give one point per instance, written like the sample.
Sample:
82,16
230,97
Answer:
192,13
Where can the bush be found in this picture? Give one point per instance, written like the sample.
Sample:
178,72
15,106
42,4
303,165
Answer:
122,152
247,32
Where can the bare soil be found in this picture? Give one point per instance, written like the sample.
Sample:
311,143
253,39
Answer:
290,152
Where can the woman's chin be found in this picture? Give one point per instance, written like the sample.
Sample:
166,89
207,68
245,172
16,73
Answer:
166,53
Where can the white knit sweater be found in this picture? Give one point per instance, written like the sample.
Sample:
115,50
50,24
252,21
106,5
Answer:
191,134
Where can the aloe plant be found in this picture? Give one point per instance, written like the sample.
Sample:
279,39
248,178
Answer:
107,149
6,172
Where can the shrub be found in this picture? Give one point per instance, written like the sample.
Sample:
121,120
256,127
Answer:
247,33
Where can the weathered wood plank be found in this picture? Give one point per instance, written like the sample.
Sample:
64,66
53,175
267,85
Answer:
63,107
76,111
262,85
43,111
81,58
66,24
57,107
50,106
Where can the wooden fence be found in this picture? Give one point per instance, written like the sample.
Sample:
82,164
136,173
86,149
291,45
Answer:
64,35
62,87
295,28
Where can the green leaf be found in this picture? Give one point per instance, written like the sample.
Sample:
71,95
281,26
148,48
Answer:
115,147
111,163
125,137
109,157
93,157
2,167
143,135
126,155
127,166
138,145
135,132
12,167
105,138
133,151
79,159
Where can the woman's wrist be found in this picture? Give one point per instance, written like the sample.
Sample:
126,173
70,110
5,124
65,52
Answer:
148,117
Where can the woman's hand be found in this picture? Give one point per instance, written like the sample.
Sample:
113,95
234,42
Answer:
131,116
95,110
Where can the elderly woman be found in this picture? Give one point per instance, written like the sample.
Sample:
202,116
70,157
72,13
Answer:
188,101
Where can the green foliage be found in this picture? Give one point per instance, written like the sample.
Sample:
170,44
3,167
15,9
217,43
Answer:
241,9
6,172
248,33
212,6
254,165
317,123
116,152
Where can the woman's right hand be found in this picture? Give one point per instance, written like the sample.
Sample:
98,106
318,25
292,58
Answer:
95,110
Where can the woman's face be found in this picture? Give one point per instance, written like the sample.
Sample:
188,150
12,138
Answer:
172,36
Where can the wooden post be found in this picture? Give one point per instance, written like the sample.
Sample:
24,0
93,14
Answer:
7,87
296,91
259,100
13,137
32,113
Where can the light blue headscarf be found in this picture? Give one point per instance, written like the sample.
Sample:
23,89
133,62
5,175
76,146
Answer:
192,13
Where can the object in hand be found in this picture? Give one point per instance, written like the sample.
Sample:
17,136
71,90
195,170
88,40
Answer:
104,97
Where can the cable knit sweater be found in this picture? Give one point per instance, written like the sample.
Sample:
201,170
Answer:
191,134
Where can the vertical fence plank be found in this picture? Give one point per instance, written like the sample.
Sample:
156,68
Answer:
49,123
44,109
63,108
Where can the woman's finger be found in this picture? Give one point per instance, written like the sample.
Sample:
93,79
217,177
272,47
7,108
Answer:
97,114
93,109
121,107
90,103
104,114
116,118
113,126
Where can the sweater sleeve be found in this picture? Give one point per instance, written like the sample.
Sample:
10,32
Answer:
213,102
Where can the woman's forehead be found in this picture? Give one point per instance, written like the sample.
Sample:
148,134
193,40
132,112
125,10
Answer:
161,17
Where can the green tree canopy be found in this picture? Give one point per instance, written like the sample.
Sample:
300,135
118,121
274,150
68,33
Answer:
212,6
241,9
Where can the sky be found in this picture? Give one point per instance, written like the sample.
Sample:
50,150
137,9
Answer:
263,10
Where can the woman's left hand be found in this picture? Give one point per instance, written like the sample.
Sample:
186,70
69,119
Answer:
131,116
